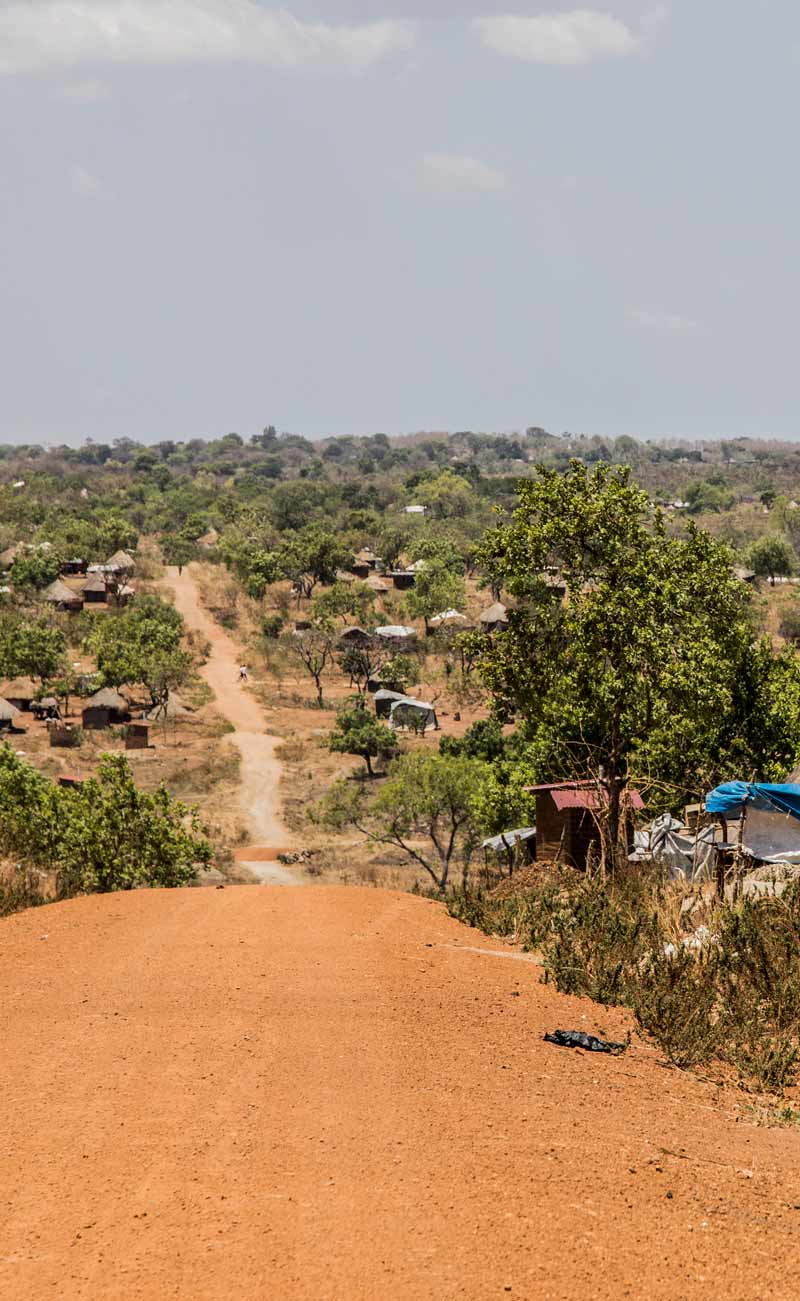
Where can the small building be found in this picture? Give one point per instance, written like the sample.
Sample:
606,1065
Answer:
417,715
137,735
377,585
364,563
566,826
403,579
106,708
495,618
47,707
122,596
62,597
122,564
20,692
384,699
8,716
344,576
63,736
515,847
95,590
448,619
69,782
415,509
73,567
397,633
355,636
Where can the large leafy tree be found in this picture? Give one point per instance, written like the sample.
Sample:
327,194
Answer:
648,669
436,589
771,557
35,568
34,648
142,644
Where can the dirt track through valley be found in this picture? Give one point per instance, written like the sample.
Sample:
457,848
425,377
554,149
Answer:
340,1094
260,769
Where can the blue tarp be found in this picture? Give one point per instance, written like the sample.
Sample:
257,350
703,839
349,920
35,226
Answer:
729,798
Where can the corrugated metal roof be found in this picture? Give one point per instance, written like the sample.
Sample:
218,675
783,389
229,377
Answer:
589,799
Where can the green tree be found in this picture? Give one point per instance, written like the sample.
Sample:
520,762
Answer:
342,600
771,557
424,808
105,835
446,495
142,644
648,669
359,732
35,568
311,556
32,648
436,589
313,648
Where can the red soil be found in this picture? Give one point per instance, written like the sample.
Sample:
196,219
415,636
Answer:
340,1093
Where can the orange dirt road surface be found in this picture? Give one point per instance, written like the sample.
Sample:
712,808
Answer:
341,1093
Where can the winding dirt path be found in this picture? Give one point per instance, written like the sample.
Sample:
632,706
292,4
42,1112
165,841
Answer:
341,1095
260,769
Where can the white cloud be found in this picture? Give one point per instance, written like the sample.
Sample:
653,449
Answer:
462,172
86,185
86,92
664,322
567,40
38,34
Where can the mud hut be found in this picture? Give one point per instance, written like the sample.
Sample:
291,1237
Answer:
62,597
8,715
105,709
354,636
566,820
377,585
495,618
95,590
19,692
121,563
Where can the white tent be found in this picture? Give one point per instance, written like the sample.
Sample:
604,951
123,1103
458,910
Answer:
396,632
406,707
447,617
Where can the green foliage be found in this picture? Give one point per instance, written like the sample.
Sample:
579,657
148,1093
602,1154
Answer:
649,667
436,589
707,498
771,557
446,495
423,808
33,648
104,835
790,620
142,644
343,600
359,732
34,568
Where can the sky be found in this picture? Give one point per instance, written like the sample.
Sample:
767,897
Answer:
354,216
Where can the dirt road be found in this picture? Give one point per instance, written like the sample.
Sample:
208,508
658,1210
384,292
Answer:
340,1093
260,770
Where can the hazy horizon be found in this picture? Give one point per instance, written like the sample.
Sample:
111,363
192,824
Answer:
374,215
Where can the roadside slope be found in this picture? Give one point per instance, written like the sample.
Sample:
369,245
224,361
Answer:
341,1093
260,769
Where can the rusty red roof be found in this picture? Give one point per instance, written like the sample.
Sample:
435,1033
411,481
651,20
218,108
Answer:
580,795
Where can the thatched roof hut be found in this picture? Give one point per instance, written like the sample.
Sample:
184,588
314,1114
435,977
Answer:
95,589
122,562
377,584
62,597
494,618
19,692
8,712
104,708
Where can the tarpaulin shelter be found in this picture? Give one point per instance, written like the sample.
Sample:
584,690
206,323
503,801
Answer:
407,708
770,814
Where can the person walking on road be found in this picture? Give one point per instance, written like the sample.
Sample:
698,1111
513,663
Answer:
242,672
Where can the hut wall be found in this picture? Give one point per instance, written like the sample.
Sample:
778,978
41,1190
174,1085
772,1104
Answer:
63,738
137,737
577,826
403,582
96,718
95,598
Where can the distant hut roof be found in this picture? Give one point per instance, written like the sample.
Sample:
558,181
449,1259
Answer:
18,689
395,630
377,584
48,702
121,560
496,613
107,698
59,594
343,576
174,708
507,839
126,590
366,555
353,633
8,712
447,616
8,556
96,583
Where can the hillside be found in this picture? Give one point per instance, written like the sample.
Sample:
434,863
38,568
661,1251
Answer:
343,1093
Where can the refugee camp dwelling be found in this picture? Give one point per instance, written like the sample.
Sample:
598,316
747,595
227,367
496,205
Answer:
409,712
384,699
355,636
137,735
122,564
566,827
105,709
377,585
71,568
19,692
95,590
364,563
47,707
495,618
397,633
8,716
448,619
122,596
403,579
515,848
415,510
62,597
8,556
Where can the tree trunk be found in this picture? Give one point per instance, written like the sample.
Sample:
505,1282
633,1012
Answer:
319,689
369,765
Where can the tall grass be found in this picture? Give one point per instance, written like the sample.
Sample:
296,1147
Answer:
731,992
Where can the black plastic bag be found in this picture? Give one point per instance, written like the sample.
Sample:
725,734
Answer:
588,1042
